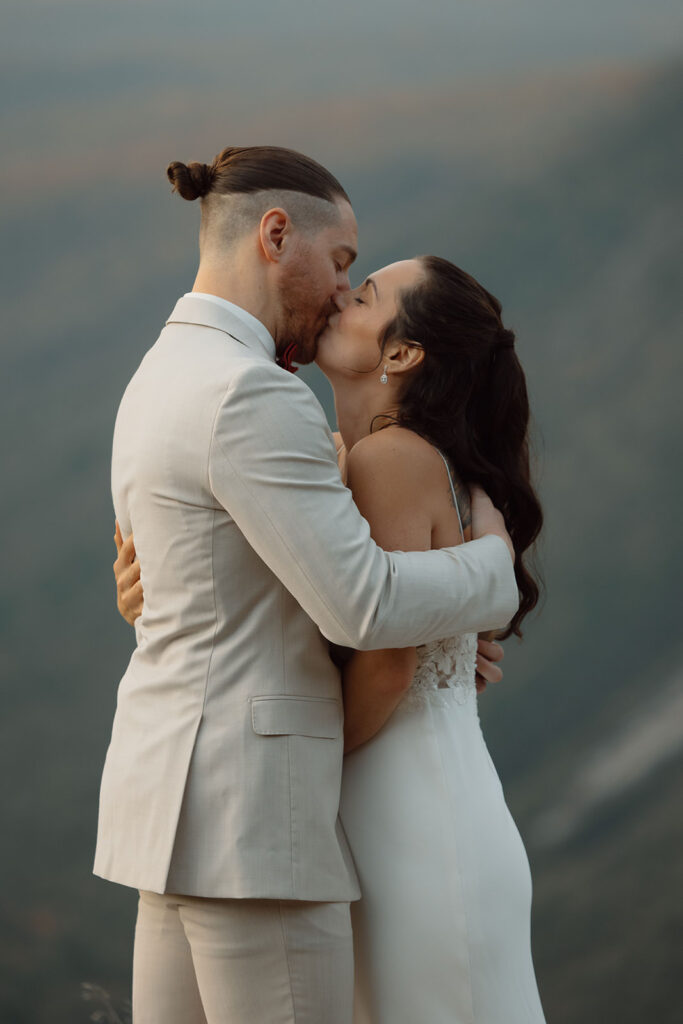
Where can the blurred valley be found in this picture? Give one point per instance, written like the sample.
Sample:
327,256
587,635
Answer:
553,176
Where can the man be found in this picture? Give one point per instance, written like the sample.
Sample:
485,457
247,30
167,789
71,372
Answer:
220,789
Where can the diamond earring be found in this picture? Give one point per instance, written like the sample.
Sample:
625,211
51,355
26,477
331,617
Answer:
384,379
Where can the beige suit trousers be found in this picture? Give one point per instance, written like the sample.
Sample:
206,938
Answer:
240,961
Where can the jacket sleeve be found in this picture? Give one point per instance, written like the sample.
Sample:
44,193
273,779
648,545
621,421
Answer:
273,467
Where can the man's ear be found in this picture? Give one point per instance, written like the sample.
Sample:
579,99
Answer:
403,356
274,228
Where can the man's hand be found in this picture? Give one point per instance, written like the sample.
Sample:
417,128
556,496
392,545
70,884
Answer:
488,653
487,519
129,594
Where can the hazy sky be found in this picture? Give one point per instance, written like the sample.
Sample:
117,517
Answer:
267,46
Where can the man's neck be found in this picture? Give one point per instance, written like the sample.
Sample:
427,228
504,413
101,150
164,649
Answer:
238,288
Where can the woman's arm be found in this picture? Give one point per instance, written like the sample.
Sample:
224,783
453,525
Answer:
393,492
374,683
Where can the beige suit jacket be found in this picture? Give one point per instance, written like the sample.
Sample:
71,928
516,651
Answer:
222,776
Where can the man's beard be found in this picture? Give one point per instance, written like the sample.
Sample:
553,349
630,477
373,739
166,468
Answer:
301,326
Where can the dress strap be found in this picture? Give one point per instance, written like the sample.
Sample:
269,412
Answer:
455,500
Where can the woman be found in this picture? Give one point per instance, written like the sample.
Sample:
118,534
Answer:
427,385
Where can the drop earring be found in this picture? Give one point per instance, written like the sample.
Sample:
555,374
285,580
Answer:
384,379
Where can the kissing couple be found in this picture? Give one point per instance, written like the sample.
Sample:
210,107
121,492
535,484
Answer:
297,782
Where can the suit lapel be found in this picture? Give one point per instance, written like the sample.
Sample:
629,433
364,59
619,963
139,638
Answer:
200,312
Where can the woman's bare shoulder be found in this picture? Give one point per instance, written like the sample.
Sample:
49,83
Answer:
393,489
396,448
396,465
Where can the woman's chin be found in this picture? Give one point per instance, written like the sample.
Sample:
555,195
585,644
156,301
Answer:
322,364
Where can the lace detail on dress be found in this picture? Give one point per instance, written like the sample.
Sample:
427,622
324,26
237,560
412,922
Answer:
444,664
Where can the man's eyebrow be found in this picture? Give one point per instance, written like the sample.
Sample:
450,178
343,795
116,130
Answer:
369,280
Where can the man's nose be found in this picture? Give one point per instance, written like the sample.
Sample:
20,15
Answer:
343,284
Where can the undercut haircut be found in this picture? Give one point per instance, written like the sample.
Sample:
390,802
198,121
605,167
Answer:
243,183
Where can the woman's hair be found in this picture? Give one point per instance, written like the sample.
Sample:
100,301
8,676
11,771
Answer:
469,398
249,169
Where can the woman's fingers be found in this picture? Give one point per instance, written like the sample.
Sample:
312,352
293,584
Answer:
488,653
135,599
126,555
128,548
130,602
129,592
130,595
488,670
490,649
126,579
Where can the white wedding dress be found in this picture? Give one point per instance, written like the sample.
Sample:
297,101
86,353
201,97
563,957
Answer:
442,932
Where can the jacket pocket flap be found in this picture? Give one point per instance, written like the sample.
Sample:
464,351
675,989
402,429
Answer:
297,716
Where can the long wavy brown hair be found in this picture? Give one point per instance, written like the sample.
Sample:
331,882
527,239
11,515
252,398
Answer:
469,398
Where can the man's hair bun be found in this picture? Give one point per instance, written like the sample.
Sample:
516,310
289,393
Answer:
192,181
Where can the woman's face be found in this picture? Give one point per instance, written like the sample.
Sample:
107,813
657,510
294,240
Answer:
349,346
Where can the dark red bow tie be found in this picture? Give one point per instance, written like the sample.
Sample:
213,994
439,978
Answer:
285,360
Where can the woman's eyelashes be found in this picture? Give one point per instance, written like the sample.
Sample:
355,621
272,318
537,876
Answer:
360,301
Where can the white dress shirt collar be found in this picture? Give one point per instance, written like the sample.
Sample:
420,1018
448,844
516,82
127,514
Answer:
250,321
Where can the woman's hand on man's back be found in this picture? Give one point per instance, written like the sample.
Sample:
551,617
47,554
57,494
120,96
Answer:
129,593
